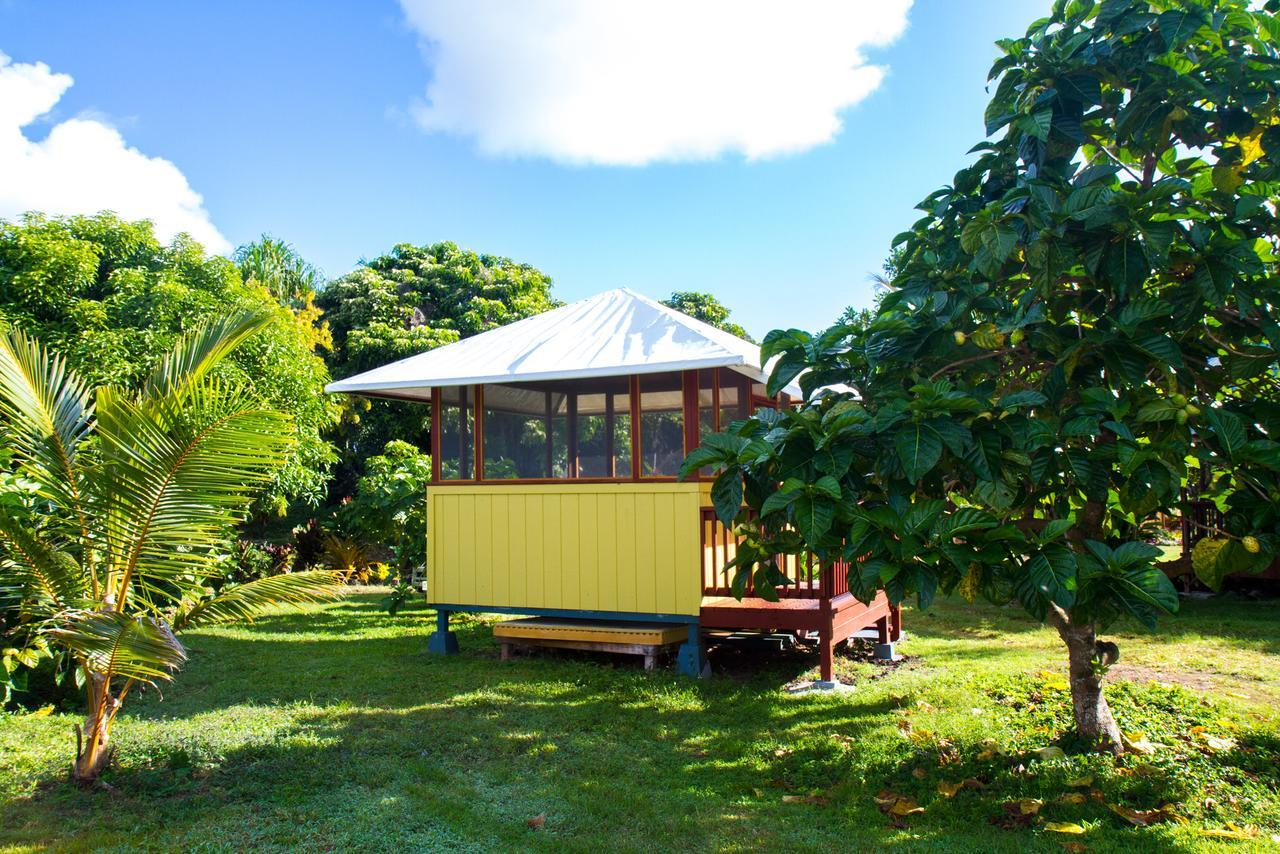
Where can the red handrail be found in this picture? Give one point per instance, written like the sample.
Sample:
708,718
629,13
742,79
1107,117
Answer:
808,579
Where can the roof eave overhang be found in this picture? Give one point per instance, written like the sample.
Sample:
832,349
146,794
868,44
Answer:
736,362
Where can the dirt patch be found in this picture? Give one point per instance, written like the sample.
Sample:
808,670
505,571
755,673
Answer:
1199,681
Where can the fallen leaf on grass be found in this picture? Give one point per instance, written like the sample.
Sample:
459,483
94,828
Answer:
1080,782
1215,743
1145,769
1063,827
948,789
1231,831
42,712
1051,752
783,751
816,800
1145,818
919,773
974,783
1137,742
1027,806
537,821
1071,798
891,803
1075,847
1019,813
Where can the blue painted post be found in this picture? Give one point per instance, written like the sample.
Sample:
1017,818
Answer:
442,641
690,660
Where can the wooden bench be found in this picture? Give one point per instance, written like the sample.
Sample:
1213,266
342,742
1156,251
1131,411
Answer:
617,636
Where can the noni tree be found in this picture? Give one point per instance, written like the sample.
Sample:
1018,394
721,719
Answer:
1084,320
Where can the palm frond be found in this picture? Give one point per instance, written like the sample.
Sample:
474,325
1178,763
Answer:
47,413
177,474
49,578
197,352
114,644
245,601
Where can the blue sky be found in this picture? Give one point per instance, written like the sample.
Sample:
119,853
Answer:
315,122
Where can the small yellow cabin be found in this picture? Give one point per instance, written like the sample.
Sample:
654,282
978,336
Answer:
555,445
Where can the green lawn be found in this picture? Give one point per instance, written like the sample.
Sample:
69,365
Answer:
332,729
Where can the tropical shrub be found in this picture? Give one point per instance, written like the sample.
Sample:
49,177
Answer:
1086,317
124,500
389,504
402,593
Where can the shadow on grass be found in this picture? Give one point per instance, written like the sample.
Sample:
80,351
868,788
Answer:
366,741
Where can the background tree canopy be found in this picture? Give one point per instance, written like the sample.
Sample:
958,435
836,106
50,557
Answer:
1083,321
113,300
414,299
706,308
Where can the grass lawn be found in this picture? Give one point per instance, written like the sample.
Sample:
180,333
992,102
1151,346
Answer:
331,729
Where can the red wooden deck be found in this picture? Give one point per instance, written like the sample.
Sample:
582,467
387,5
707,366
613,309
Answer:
817,599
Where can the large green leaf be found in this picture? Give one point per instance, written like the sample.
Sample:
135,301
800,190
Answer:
245,601
47,414
726,496
1053,571
1227,429
919,449
175,474
49,579
114,644
813,514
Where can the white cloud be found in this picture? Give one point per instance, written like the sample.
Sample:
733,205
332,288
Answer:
602,81
84,165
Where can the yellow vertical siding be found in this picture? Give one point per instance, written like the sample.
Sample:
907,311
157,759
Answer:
621,547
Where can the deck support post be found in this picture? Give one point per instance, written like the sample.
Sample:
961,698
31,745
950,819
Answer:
826,649
691,660
442,641
887,633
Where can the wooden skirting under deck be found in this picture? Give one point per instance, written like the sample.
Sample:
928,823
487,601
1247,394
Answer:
835,620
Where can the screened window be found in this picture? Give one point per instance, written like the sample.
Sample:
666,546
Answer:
733,397
525,431
457,433
661,425
602,412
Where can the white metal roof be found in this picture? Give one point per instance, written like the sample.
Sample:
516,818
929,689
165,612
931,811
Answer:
615,333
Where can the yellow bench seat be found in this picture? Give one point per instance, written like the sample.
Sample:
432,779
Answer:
647,639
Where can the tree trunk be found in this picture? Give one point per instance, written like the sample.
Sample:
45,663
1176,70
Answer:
94,747
1094,722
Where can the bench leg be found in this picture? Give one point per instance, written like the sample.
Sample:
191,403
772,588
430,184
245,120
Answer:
442,641
504,652
650,661
691,660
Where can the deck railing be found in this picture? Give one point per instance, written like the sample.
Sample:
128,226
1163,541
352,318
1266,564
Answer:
807,577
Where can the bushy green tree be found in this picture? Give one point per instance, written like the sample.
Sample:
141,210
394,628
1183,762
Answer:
1088,316
113,299
410,300
706,308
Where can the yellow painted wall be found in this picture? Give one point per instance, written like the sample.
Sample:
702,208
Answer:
631,547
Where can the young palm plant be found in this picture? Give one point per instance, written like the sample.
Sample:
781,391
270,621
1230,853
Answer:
127,498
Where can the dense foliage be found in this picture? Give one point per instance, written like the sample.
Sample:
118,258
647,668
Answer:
113,299
389,504
1083,321
121,503
408,301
